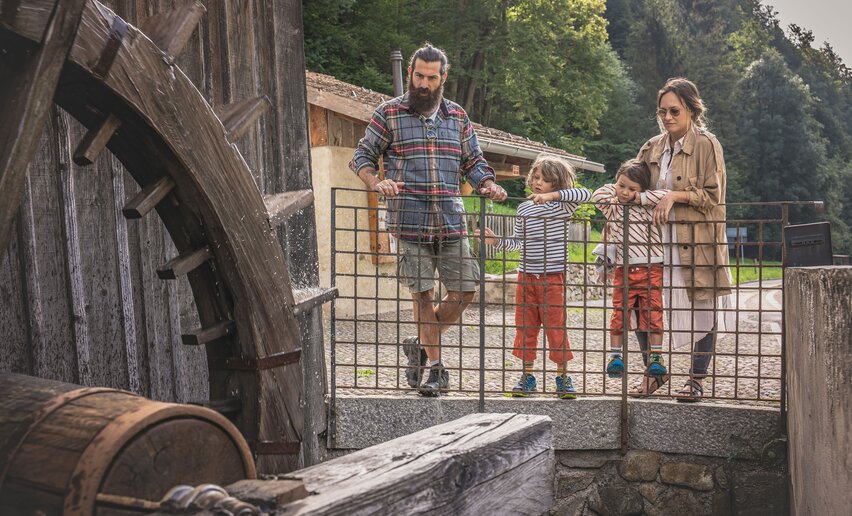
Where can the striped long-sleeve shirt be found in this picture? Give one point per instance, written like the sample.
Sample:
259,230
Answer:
432,158
541,232
644,239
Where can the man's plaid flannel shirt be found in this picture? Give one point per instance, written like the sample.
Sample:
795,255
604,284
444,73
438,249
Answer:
431,159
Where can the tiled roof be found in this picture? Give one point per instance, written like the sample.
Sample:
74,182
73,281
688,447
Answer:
370,98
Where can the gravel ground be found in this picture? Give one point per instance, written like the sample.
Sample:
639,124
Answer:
369,360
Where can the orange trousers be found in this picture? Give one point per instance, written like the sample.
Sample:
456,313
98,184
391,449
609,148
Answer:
644,294
540,298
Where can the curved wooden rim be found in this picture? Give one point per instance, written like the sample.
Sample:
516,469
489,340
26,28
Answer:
96,460
168,129
20,434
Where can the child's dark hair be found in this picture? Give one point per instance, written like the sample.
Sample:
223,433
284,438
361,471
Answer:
554,170
636,171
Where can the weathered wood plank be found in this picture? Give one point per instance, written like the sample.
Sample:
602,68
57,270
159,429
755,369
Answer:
147,198
76,286
13,317
307,299
282,206
95,140
472,465
25,100
268,494
171,29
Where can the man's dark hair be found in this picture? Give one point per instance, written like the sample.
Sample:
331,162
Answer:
429,54
636,171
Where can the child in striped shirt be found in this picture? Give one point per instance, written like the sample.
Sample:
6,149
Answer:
541,234
644,261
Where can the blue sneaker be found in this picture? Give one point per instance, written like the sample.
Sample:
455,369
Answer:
656,366
615,366
565,387
525,386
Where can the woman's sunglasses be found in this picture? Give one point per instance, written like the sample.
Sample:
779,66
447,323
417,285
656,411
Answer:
674,111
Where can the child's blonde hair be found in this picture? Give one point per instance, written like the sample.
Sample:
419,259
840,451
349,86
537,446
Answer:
554,170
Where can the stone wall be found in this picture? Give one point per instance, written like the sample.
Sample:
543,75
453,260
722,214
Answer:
648,482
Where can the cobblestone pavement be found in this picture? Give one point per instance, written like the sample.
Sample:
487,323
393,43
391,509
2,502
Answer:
368,356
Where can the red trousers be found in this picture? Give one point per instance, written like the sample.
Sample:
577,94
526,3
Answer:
540,298
645,293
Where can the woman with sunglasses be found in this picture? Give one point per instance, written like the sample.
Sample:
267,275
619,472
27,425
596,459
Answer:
687,160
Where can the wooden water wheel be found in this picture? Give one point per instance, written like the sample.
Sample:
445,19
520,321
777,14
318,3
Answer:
121,83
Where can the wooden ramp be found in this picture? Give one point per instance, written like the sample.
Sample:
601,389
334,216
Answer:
478,464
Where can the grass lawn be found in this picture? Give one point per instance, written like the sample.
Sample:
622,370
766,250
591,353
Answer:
747,270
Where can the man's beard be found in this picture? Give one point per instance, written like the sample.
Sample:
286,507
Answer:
423,100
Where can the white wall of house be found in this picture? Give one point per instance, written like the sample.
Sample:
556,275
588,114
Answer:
377,290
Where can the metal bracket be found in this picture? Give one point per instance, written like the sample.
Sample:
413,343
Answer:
257,364
275,447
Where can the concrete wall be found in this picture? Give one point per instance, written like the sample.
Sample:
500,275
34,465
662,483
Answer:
818,311
708,458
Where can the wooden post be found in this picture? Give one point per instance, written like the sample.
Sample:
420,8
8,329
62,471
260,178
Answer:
298,236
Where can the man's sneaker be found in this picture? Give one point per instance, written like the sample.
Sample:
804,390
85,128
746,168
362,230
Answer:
656,365
525,386
565,387
439,380
417,361
615,366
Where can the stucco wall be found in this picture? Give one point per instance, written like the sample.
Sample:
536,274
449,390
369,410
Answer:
818,311
330,170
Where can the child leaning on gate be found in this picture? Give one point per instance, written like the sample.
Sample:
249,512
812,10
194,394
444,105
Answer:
644,262
541,234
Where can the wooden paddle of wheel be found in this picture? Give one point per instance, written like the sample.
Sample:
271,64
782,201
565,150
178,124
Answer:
121,83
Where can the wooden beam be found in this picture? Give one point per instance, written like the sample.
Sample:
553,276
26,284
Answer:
180,265
95,140
353,108
280,206
171,29
306,299
472,465
144,201
25,101
202,336
238,117
318,124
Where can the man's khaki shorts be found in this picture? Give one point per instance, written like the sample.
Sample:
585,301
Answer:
457,267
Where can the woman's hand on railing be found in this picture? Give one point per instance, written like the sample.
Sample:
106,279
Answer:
490,237
661,211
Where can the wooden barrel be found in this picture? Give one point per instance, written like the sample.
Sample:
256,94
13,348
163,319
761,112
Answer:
66,449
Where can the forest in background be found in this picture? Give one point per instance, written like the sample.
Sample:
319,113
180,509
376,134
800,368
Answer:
583,75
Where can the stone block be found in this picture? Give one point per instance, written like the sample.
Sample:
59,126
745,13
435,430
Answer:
695,476
761,493
651,491
587,458
676,502
616,500
639,466
722,503
569,482
708,429
572,506
722,477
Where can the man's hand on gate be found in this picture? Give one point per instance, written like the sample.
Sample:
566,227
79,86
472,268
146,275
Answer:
389,187
493,191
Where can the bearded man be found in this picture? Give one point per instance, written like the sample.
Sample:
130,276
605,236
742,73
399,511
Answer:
428,146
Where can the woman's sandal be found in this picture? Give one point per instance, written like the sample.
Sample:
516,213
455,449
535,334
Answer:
691,392
649,385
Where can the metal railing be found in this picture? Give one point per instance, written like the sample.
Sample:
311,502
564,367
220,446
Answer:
373,314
